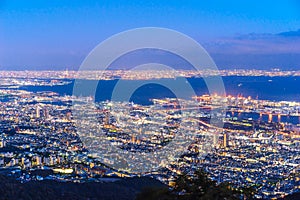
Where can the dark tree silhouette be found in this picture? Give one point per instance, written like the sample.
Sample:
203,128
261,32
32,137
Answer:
198,186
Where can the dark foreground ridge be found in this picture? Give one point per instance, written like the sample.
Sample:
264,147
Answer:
295,196
197,187
123,189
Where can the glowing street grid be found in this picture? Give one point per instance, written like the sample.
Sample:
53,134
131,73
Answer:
246,141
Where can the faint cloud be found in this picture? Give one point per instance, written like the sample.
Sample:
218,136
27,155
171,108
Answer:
257,43
290,33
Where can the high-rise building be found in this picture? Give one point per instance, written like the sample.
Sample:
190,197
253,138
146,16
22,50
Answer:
215,139
37,112
225,140
133,139
2,143
46,113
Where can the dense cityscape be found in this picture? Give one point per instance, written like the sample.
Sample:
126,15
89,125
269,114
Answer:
149,100
139,74
236,139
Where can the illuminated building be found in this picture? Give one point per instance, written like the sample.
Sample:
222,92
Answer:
225,140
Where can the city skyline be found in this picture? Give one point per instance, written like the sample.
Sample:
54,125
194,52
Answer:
198,98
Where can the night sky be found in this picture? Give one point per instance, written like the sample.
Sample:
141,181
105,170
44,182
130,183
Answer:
58,34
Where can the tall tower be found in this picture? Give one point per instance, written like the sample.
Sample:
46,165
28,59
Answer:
225,140
37,112
66,73
107,118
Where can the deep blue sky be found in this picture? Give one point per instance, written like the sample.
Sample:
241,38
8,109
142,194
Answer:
59,33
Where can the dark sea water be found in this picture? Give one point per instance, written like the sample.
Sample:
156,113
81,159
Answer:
267,88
